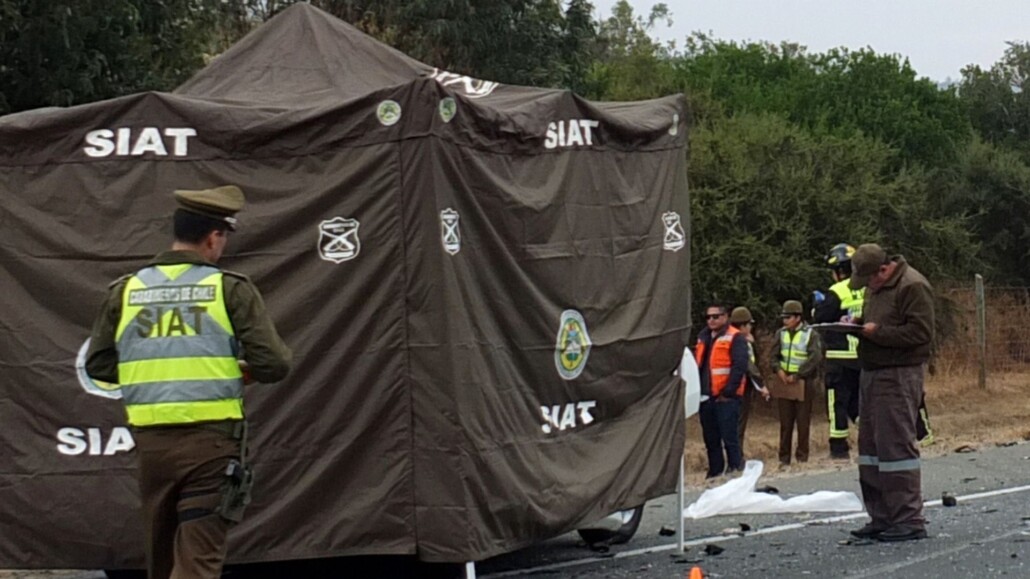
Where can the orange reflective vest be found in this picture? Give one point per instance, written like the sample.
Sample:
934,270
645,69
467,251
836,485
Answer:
720,362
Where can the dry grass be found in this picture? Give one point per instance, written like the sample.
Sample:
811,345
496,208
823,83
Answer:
960,414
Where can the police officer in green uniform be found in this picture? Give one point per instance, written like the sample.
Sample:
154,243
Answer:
181,337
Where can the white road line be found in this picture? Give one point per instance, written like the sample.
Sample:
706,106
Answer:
726,538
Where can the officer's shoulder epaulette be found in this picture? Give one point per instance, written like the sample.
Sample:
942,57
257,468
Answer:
120,280
237,275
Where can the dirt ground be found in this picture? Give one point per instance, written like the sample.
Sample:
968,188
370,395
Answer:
960,414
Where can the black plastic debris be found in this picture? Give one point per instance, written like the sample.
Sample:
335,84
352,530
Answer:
768,490
713,549
666,531
948,500
745,527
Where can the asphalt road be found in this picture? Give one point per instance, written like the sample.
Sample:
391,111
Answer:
987,534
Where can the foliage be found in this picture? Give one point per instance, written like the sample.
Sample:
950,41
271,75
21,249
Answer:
66,52
841,92
998,100
791,152
770,199
992,187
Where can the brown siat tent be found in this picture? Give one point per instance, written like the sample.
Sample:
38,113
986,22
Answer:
486,289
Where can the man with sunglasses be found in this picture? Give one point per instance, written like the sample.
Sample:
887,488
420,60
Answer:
722,361
893,349
171,335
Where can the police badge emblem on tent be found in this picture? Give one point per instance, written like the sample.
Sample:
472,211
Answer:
675,238
573,346
338,239
450,235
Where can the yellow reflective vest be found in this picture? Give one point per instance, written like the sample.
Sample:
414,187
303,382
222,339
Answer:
851,302
177,349
794,349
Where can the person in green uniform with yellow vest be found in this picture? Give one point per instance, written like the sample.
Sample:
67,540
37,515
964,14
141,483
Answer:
795,358
181,338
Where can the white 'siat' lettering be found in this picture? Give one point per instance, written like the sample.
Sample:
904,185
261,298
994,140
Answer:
73,441
570,133
565,416
125,142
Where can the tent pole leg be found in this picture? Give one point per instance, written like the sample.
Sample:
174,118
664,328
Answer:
679,509
470,570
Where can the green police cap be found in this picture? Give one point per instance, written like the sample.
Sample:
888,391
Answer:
792,308
740,315
865,263
221,203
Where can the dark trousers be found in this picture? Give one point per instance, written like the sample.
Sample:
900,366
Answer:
181,470
888,462
842,396
719,421
795,413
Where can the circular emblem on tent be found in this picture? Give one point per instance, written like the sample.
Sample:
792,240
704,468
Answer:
91,386
448,108
675,127
389,112
573,346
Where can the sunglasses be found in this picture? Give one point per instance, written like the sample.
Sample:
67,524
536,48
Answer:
714,316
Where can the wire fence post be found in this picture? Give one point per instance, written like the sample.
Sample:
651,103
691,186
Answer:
981,330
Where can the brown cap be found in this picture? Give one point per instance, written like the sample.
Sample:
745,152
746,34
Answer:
864,264
221,203
792,308
740,315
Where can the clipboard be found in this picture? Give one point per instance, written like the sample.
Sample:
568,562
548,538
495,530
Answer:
841,327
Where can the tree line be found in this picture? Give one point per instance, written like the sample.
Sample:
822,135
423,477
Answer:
790,151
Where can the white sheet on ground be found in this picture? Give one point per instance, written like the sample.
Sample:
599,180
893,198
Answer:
738,496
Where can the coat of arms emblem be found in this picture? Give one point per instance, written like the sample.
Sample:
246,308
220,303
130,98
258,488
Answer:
338,239
388,112
448,108
573,346
449,232
675,238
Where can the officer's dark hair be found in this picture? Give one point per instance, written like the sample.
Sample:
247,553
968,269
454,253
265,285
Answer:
189,227
721,307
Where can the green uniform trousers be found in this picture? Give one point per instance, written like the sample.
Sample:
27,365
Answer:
181,469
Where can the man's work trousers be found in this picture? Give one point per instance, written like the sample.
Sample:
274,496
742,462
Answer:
180,475
719,421
799,413
842,384
888,462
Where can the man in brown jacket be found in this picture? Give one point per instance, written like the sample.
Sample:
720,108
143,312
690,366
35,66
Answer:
894,346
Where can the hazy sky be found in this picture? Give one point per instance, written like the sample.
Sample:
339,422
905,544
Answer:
939,37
